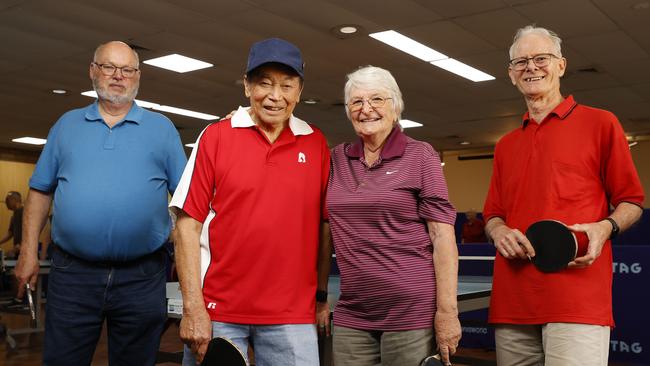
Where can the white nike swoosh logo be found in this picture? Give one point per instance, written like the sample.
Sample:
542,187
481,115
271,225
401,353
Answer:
391,171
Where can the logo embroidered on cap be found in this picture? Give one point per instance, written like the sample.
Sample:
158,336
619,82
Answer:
302,158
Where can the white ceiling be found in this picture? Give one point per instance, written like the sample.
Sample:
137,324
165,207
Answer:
49,44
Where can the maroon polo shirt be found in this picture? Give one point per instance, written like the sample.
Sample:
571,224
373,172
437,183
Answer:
378,218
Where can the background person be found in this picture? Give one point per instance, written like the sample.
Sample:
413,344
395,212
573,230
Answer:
14,203
473,229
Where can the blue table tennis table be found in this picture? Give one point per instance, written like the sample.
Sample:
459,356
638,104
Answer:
473,292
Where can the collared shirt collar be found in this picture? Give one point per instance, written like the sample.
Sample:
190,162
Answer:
135,113
242,119
394,147
561,111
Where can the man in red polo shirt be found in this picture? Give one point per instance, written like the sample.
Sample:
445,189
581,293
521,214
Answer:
566,162
251,202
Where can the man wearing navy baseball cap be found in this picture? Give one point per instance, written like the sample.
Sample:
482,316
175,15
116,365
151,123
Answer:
250,208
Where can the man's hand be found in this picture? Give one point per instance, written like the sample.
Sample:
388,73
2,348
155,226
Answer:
598,233
26,272
196,332
511,243
323,318
447,328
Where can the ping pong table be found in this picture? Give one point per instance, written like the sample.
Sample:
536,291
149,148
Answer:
473,294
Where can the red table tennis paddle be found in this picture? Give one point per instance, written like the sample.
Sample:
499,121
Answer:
555,245
222,352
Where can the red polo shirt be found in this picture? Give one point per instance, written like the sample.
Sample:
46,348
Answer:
570,167
261,206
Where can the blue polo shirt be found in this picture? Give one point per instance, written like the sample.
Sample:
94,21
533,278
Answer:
110,185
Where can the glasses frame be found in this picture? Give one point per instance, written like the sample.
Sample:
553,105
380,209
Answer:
513,65
378,103
102,69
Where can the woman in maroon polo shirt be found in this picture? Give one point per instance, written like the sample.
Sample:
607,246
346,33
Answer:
392,229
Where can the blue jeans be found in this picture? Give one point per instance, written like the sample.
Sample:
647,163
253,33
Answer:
129,296
274,345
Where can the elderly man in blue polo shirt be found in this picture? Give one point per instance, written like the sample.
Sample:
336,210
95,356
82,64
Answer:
109,168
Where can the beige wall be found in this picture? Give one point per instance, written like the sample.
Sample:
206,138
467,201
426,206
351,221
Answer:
14,176
468,180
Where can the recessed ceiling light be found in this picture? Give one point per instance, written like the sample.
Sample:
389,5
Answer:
348,29
344,31
30,140
428,54
164,108
465,142
407,123
59,91
178,63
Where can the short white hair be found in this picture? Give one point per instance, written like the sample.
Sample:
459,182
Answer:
374,78
532,29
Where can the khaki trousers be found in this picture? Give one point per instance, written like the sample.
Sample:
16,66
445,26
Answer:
552,344
353,347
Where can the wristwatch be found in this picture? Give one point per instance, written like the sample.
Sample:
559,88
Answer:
615,228
321,296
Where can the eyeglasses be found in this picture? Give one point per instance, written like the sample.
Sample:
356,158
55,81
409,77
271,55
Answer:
109,70
374,102
540,60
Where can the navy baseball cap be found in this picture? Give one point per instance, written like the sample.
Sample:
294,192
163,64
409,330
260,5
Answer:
275,50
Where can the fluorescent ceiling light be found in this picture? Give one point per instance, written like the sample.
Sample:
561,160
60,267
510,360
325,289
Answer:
425,53
178,63
407,123
30,140
185,112
408,45
90,93
461,69
164,108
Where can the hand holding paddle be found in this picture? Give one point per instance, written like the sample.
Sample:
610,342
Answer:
196,330
511,243
448,333
598,233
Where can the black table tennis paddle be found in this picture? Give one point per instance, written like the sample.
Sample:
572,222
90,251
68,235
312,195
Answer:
432,361
222,352
555,245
